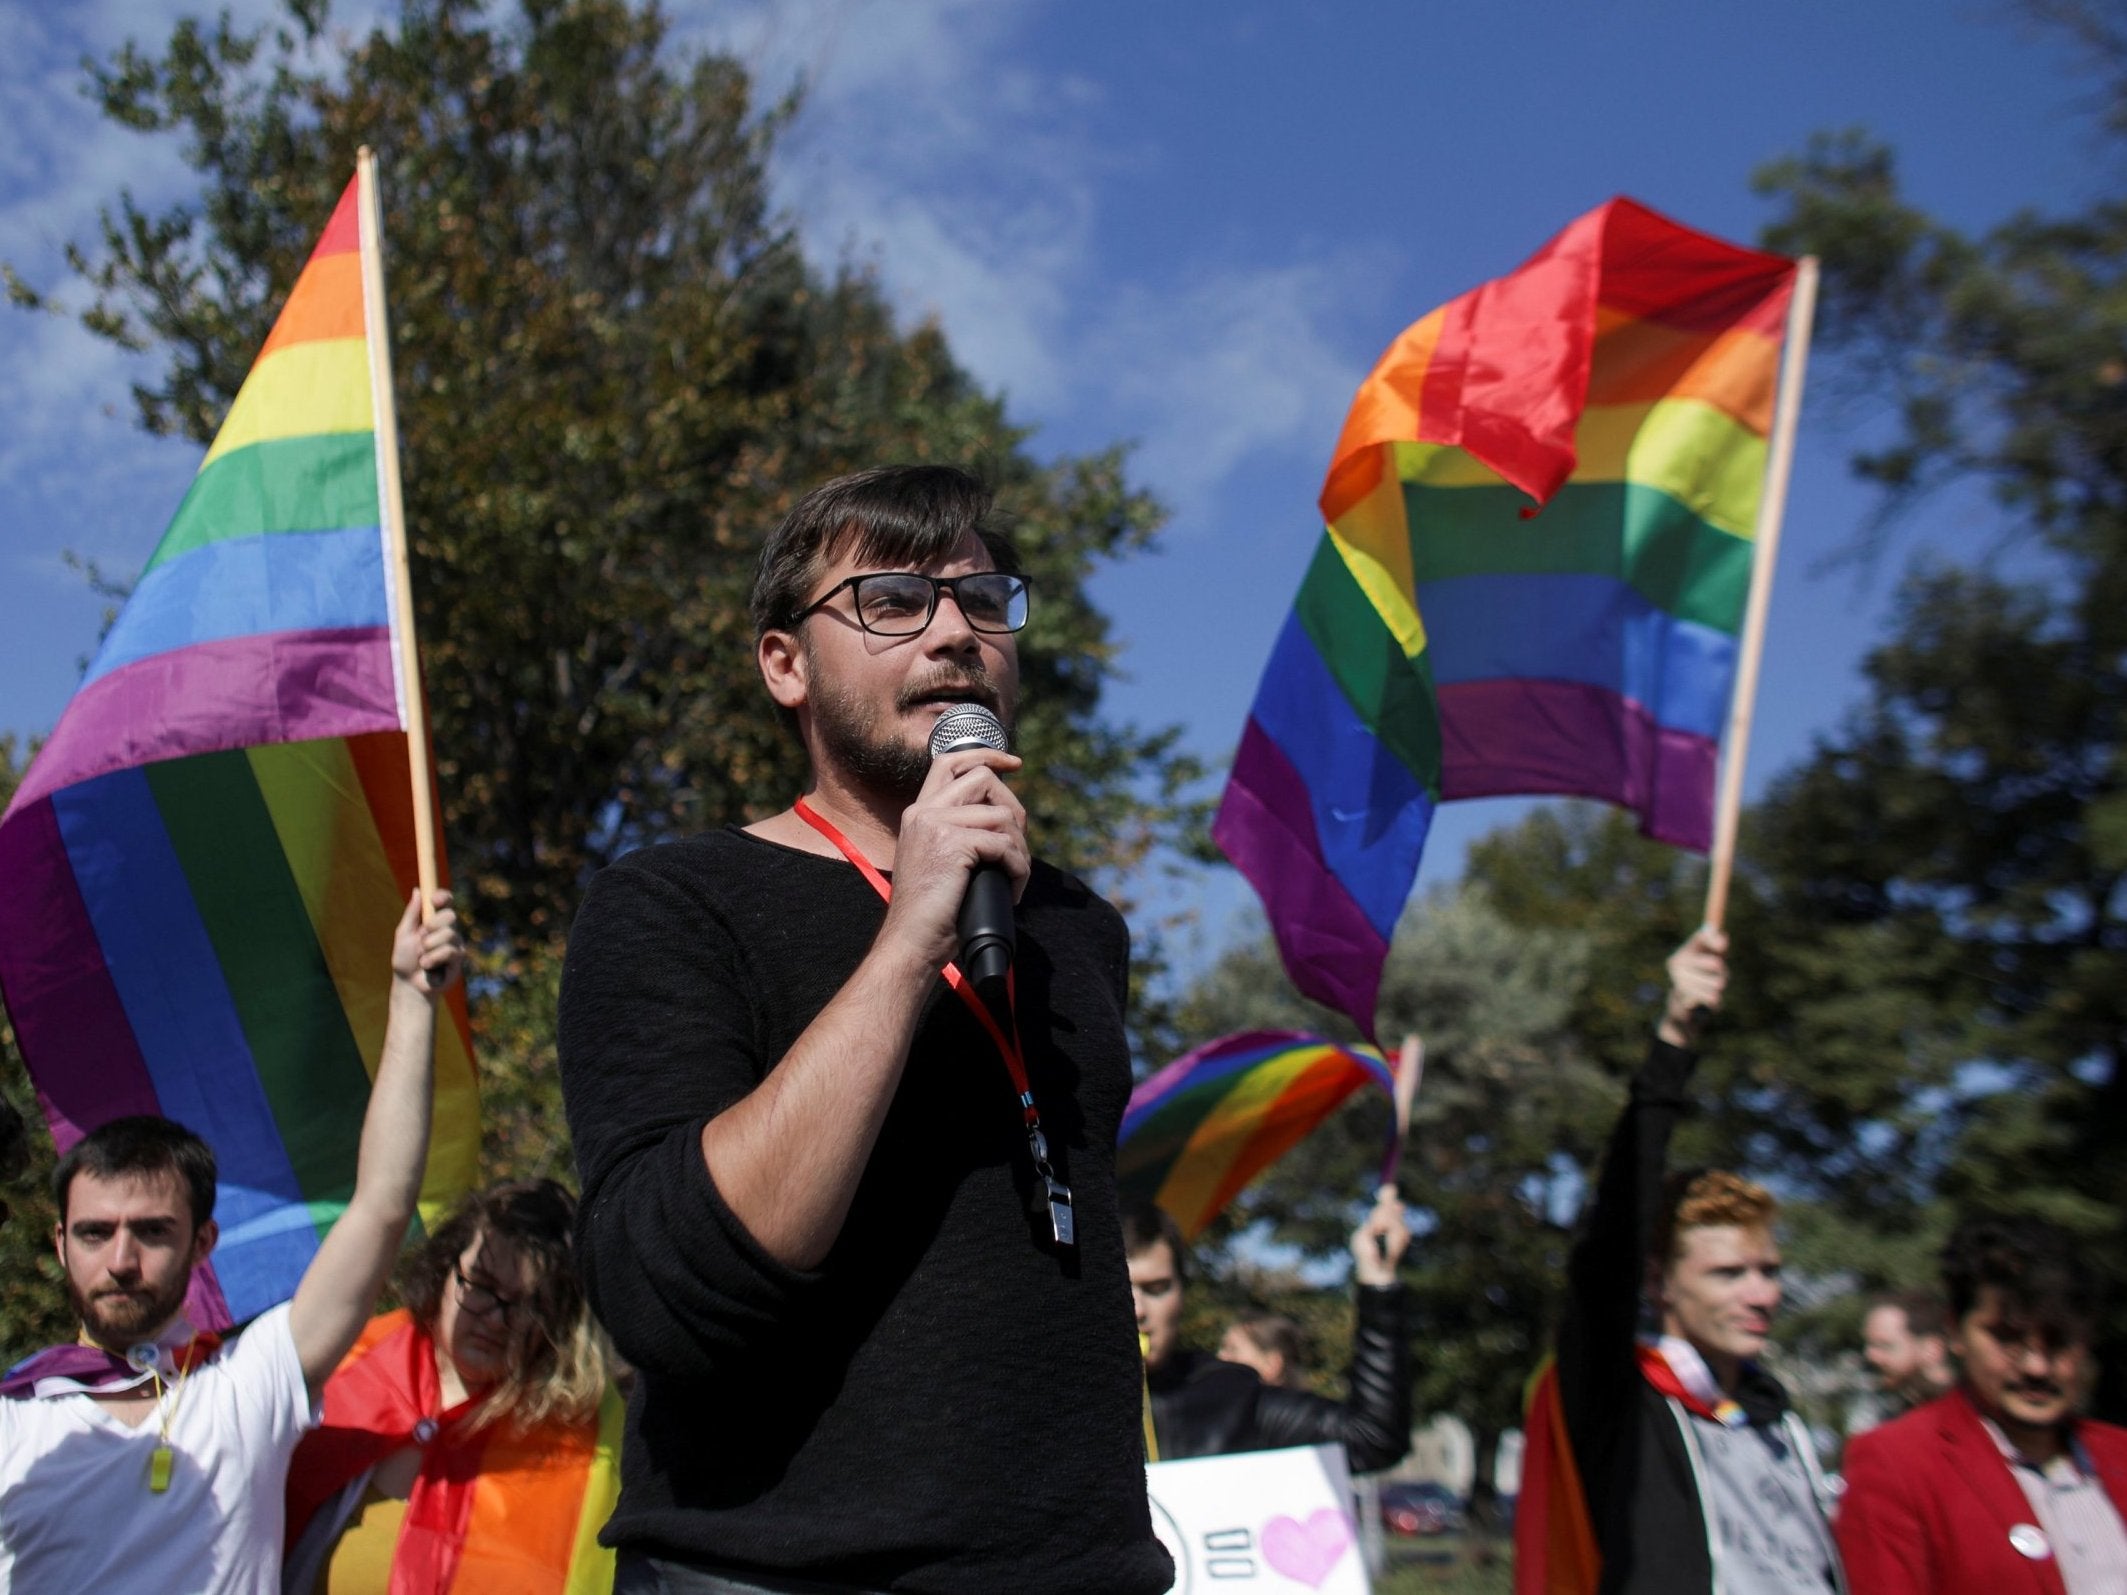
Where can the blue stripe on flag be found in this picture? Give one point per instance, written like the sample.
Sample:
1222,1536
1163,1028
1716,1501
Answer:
1371,813
183,1018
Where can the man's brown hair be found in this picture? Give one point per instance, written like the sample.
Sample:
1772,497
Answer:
891,515
1145,1225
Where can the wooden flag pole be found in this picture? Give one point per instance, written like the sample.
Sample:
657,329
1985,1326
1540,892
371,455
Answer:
1410,1066
377,324
1779,465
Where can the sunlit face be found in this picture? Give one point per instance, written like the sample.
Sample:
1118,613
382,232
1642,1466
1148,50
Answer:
1156,1291
481,1299
1721,1290
2021,1373
1901,1359
128,1247
869,702
1237,1347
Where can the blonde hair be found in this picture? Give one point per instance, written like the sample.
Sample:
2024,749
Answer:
1707,1199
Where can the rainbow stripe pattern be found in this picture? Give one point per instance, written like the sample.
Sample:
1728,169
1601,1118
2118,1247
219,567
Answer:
1453,639
205,862
1200,1129
494,1511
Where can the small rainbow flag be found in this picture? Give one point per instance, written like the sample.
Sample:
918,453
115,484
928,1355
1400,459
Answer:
205,862
1453,640
1199,1130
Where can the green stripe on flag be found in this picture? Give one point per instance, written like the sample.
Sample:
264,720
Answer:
306,1057
1392,692
1635,534
309,484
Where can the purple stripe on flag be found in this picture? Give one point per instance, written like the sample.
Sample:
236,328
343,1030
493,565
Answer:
64,1005
59,994
1503,738
1266,826
1215,1060
284,686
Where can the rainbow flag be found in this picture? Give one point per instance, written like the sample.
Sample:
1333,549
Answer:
1554,1541
495,1511
205,862
1199,1130
1454,639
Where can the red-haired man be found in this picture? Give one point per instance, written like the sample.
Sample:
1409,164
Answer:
1695,1473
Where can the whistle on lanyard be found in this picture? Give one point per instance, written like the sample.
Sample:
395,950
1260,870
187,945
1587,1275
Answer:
1063,1228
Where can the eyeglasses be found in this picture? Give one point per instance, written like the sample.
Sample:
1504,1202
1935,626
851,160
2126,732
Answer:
479,1298
900,603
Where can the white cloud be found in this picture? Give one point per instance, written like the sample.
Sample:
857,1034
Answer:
932,148
1230,367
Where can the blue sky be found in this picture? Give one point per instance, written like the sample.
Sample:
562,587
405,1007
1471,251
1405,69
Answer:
1190,225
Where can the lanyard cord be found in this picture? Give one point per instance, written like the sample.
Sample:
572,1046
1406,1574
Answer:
165,1416
1008,1046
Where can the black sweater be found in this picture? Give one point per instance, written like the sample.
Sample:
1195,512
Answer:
947,1403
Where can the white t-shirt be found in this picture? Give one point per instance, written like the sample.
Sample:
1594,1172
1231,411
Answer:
76,1513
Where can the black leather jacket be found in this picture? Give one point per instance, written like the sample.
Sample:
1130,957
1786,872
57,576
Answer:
1202,1407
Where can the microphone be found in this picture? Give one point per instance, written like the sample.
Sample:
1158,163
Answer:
987,931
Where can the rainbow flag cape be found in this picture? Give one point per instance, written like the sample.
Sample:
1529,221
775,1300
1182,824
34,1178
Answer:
1198,1131
205,862
1454,639
497,1511
1554,1542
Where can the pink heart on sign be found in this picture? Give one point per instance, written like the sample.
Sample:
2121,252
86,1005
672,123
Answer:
1307,1551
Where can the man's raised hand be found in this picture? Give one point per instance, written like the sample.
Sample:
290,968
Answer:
428,957
1698,976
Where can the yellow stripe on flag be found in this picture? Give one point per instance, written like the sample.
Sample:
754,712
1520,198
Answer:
299,391
1221,1135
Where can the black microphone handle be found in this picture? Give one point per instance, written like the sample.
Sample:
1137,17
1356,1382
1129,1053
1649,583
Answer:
987,932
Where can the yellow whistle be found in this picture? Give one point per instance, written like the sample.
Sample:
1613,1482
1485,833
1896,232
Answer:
160,1461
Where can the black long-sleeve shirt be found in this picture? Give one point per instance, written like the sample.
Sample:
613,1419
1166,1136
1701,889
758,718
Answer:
948,1403
1642,1494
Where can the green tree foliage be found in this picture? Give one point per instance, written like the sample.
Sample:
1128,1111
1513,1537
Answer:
615,371
1966,830
1512,1110
33,1310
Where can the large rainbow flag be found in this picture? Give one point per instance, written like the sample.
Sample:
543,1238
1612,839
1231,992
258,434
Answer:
201,871
1199,1130
1538,547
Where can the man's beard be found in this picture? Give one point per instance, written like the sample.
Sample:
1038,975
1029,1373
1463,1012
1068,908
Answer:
119,1320
879,761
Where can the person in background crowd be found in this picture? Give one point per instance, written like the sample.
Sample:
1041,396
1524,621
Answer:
148,1455
856,1232
468,1441
1695,1474
1203,1406
1270,1344
1902,1340
1997,1488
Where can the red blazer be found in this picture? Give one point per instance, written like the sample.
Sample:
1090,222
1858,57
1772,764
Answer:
1929,1504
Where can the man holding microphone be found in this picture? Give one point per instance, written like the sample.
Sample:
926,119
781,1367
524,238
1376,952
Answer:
852,1219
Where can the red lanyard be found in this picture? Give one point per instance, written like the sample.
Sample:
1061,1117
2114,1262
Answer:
1008,1046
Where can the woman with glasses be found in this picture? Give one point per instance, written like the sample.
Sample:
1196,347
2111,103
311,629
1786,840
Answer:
470,1440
